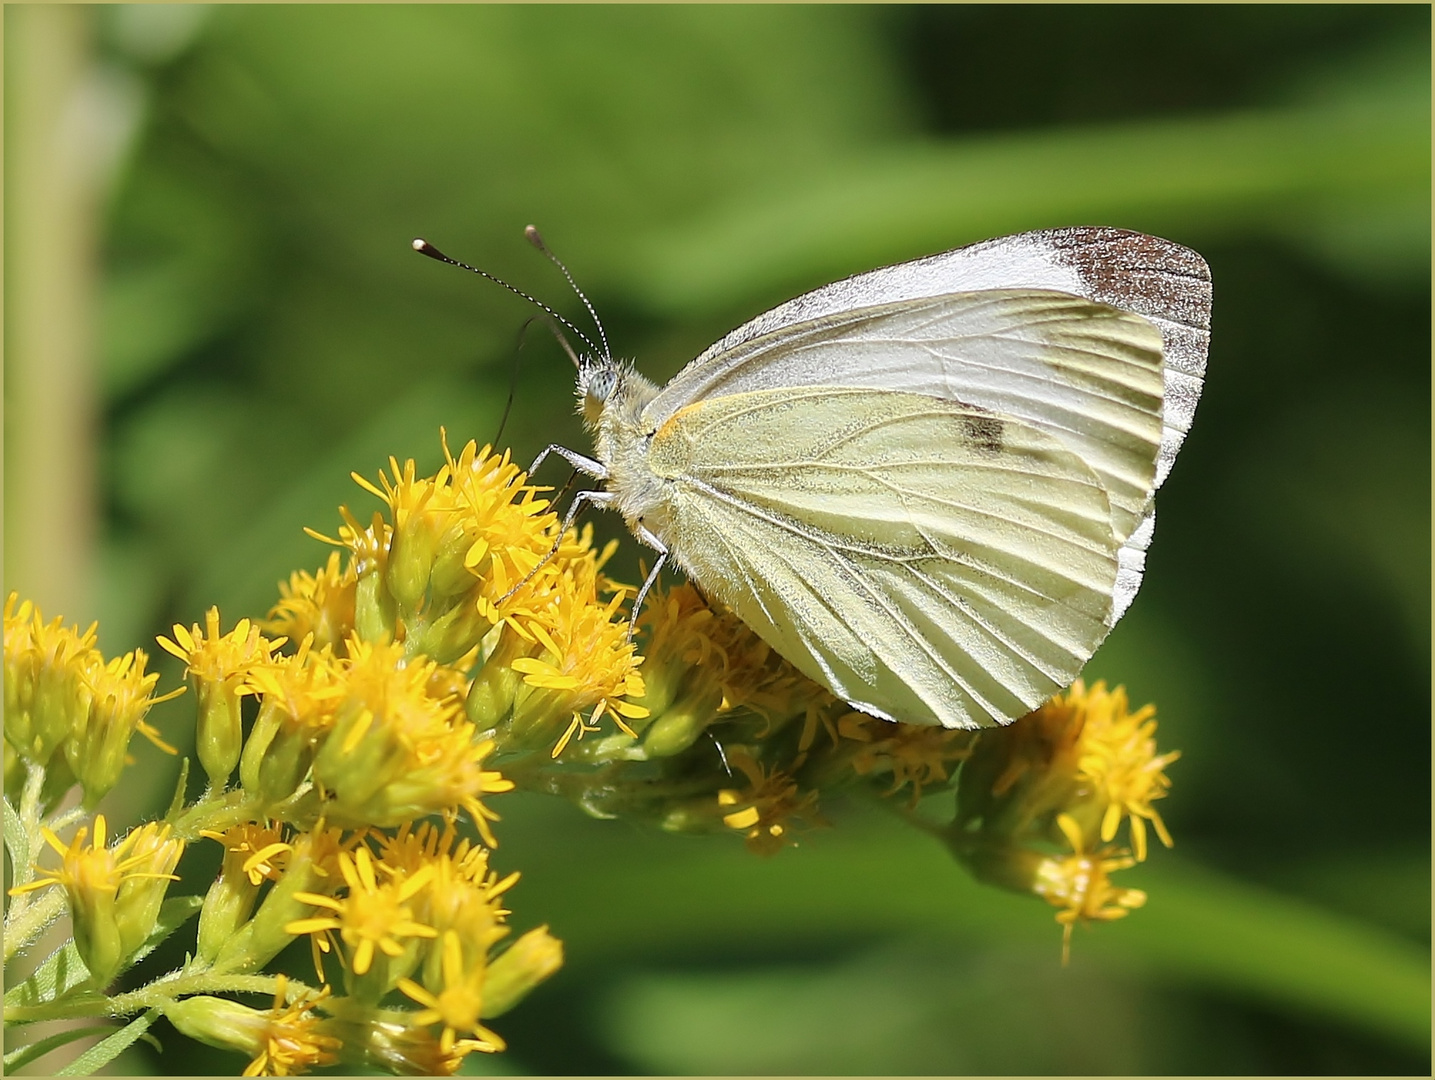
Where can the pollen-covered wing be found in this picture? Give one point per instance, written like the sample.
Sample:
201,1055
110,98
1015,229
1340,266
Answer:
927,559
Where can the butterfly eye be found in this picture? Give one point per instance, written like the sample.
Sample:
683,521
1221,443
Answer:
598,386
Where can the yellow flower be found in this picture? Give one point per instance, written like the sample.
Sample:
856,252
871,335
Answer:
1081,754
253,853
464,549
1066,773
121,693
427,536
114,893
220,665
45,668
286,1039
584,659
319,606
374,615
373,916
458,1004
60,694
1079,884
713,643
1118,755
510,529
291,1040
464,894
913,754
762,813
705,665
396,753
311,864
299,697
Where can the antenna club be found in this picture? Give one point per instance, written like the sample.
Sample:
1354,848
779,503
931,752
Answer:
423,247
537,241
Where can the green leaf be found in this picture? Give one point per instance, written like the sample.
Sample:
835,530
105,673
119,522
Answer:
62,971
25,1054
105,1051
176,804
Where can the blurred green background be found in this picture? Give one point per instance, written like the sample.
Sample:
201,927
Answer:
213,315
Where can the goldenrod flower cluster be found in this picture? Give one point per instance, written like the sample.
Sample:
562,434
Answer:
1042,802
459,644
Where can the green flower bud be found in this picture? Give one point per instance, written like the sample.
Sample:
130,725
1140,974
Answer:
146,858
217,1022
227,906
411,558
219,731
262,938
526,963
275,759
97,933
374,609
681,725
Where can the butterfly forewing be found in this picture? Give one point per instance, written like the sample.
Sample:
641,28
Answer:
927,560
1083,372
1166,283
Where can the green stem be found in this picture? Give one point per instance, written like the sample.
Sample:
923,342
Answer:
30,799
28,916
157,994
216,813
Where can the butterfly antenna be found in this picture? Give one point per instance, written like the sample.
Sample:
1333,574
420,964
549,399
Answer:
512,381
537,241
423,247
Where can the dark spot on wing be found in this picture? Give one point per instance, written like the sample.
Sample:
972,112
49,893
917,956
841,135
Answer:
983,432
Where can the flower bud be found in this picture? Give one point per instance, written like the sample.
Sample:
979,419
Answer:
375,613
218,731
114,893
218,1022
681,725
146,858
250,855
522,966
310,869
276,756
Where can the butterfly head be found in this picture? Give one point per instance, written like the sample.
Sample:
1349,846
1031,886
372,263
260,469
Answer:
598,380
611,395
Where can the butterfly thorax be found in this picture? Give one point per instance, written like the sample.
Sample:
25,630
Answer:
611,399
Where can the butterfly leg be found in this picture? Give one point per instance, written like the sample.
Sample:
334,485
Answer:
597,498
646,536
584,465
721,752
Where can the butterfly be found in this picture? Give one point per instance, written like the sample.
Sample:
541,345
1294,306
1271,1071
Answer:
930,486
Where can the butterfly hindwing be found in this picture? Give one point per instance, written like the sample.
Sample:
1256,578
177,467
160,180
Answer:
926,560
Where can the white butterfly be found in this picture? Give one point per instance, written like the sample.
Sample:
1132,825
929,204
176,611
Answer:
930,486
